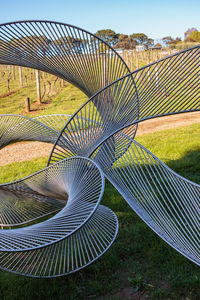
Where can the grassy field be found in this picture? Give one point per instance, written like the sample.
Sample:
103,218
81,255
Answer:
139,265
69,99
62,98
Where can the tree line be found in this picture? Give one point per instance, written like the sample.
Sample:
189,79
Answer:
124,41
45,47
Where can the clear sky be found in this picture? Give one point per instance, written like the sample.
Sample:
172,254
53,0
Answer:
154,18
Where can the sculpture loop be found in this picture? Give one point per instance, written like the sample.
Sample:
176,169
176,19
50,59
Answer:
72,229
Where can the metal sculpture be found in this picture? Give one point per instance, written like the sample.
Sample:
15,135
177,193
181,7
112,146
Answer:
75,236
45,128
99,136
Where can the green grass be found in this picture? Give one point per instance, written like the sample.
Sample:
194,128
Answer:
139,260
171,146
22,169
66,99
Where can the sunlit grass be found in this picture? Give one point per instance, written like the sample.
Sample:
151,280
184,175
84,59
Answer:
139,259
22,169
67,99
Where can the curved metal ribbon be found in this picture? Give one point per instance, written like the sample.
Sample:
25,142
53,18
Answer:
98,138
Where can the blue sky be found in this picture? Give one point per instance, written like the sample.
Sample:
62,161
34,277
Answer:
154,18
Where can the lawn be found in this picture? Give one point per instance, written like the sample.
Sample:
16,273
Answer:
139,263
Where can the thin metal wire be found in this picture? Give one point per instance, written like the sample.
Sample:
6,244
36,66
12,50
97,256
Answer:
103,129
74,186
168,203
44,128
63,50
80,232
166,87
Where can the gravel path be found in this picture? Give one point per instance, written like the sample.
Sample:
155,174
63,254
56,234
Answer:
22,151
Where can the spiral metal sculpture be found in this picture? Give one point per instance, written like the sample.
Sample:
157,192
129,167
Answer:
98,139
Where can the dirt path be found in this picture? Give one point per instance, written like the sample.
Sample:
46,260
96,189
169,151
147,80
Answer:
169,122
29,150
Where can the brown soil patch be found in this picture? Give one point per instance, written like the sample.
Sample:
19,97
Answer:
36,107
8,94
169,122
24,151
29,150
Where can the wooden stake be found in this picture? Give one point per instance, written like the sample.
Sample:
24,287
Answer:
37,74
8,84
14,72
27,104
20,76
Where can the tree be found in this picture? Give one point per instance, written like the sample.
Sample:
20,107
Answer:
178,40
125,42
77,45
43,45
32,44
158,45
62,45
194,36
141,38
107,35
189,31
169,41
